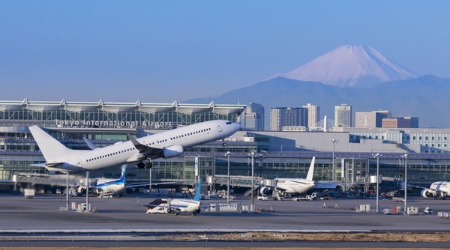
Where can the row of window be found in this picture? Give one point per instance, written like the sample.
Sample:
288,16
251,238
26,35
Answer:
179,136
404,138
109,155
426,138
148,144
188,134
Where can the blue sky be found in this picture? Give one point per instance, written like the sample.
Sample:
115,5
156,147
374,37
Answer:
161,51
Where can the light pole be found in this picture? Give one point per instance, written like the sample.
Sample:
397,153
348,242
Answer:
254,154
253,180
377,155
150,182
229,181
333,175
87,192
67,190
406,181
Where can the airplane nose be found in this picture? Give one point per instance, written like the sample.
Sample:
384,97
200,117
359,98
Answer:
238,126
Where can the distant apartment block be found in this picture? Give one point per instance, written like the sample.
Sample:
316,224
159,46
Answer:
280,117
401,122
313,114
294,128
414,121
253,117
343,115
373,119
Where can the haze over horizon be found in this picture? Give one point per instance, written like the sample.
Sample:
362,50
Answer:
166,51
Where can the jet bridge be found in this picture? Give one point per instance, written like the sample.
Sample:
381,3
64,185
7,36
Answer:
45,179
235,180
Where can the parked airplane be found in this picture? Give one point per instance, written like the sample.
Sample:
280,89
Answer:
176,206
439,189
294,185
162,145
107,186
111,186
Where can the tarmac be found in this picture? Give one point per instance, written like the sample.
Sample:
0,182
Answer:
122,215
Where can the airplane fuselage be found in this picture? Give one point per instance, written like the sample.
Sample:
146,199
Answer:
185,205
439,188
291,185
111,187
173,142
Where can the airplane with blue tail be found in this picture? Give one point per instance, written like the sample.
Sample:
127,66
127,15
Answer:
177,206
107,187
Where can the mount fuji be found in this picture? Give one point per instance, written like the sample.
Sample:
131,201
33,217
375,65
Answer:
357,75
350,66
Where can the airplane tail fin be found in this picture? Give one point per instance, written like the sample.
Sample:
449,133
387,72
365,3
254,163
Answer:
51,148
310,175
197,194
124,172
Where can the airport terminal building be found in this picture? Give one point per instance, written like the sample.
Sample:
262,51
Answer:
280,154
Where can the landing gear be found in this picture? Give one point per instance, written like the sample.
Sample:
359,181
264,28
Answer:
148,164
224,144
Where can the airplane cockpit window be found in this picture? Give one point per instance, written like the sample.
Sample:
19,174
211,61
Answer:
228,123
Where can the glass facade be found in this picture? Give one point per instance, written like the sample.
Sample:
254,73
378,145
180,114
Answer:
105,119
430,140
113,115
106,124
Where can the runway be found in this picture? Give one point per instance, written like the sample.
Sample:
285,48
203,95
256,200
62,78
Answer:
42,213
125,217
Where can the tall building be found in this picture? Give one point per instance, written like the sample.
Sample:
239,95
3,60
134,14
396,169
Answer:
372,119
343,115
253,117
396,122
413,121
280,117
313,114
401,122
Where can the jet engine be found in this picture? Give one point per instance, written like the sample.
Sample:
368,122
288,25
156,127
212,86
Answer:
264,190
172,151
427,193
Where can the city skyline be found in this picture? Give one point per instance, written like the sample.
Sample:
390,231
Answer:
161,51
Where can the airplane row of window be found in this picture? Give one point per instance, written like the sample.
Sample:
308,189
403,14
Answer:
188,134
109,155
148,144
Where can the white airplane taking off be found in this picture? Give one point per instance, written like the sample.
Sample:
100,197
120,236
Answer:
162,145
439,189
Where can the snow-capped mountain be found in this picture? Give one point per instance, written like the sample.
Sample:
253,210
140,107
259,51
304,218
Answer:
351,66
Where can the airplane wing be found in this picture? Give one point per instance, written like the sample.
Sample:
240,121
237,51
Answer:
53,164
90,144
47,165
144,151
41,165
